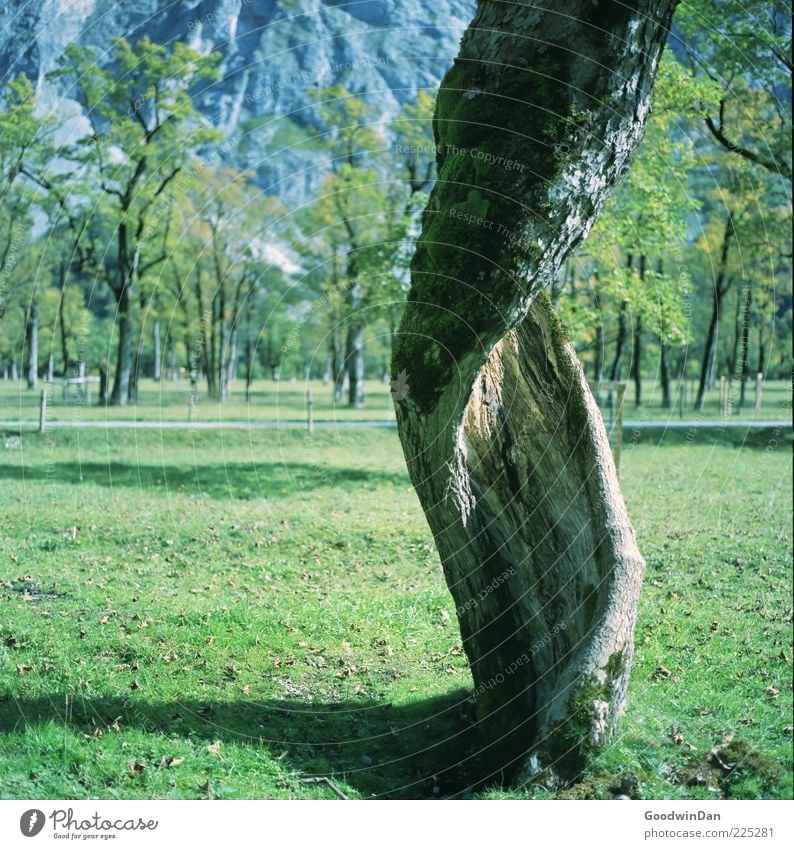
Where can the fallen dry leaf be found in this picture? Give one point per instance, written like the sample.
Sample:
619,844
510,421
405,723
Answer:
23,670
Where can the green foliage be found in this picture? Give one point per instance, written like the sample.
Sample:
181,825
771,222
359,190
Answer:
745,51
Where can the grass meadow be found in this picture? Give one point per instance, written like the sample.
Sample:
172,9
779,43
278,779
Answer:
236,613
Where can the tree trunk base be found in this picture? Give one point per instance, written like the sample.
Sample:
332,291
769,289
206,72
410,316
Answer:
537,551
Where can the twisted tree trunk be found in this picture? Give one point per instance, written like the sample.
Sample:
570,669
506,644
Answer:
504,443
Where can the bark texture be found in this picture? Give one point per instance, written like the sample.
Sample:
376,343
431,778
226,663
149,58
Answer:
503,441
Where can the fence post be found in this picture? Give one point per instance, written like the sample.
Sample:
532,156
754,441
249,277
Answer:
43,411
309,411
759,383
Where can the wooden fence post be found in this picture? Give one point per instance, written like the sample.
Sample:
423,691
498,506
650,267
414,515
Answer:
309,411
759,383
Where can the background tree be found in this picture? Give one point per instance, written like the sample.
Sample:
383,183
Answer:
144,126
745,49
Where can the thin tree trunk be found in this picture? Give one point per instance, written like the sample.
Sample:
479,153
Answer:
707,368
230,369
120,393
128,273
636,353
250,353
103,382
737,332
747,300
354,348
503,441
32,339
721,286
157,350
636,368
664,371
136,367
14,369
355,365
620,343
598,365
664,354
327,370
338,367
206,322
171,355
64,338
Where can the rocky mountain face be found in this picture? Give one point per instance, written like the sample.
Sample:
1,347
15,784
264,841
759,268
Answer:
274,53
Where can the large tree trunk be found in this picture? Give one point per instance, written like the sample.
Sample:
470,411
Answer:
503,440
32,339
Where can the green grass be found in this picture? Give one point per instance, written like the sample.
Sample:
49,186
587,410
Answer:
286,401
224,614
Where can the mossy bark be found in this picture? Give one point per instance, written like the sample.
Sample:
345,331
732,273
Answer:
536,121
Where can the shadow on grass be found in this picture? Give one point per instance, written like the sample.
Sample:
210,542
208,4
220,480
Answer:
710,436
426,749
218,480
